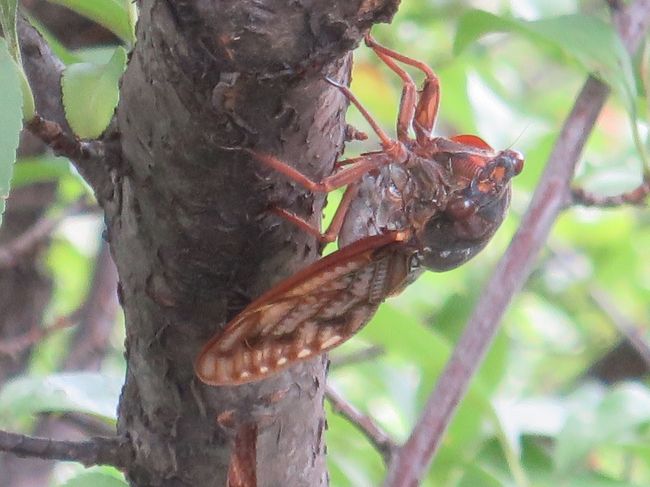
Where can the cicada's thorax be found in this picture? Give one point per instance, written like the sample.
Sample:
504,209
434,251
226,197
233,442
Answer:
396,197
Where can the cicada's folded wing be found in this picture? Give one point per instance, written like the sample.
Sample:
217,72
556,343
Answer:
309,313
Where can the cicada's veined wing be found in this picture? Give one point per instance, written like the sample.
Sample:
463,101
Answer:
307,314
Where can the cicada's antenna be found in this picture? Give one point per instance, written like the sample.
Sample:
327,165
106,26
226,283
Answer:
521,134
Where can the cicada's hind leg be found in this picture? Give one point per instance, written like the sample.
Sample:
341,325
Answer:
350,177
422,113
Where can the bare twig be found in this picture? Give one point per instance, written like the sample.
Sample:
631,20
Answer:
62,143
615,5
44,71
11,252
363,355
379,439
79,422
637,196
413,458
632,332
113,451
86,350
14,346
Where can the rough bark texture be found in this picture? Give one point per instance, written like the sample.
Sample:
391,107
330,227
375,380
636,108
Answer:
188,229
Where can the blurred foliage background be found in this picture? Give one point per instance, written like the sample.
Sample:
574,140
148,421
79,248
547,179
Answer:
562,398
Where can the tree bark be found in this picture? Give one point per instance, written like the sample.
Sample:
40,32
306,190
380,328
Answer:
188,229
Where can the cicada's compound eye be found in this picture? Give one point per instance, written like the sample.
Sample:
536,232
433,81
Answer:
508,164
517,159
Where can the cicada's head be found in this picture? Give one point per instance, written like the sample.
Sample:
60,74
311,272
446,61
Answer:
474,211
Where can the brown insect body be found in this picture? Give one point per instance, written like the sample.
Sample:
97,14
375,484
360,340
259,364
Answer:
424,203
437,194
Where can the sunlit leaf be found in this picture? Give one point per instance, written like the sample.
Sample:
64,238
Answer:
590,41
94,479
37,169
10,120
90,94
616,415
84,392
8,10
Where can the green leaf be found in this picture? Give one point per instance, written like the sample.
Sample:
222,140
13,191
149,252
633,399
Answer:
91,93
10,120
29,108
588,40
94,479
597,421
37,169
84,392
116,15
477,475
8,10
8,24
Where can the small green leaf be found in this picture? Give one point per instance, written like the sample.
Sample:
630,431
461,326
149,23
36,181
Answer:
37,169
84,392
8,10
8,24
10,120
588,40
95,479
91,93
29,108
116,15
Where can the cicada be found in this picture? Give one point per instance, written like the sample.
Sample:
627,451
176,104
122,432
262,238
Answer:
422,202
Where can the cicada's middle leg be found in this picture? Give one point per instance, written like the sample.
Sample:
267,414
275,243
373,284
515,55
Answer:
350,177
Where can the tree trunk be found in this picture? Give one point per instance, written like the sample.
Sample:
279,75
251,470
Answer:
188,228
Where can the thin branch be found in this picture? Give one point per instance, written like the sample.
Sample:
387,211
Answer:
633,333
86,350
373,432
412,461
85,424
44,71
62,143
22,245
113,451
637,197
16,345
363,355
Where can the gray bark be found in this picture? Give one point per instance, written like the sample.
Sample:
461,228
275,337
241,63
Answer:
187,225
